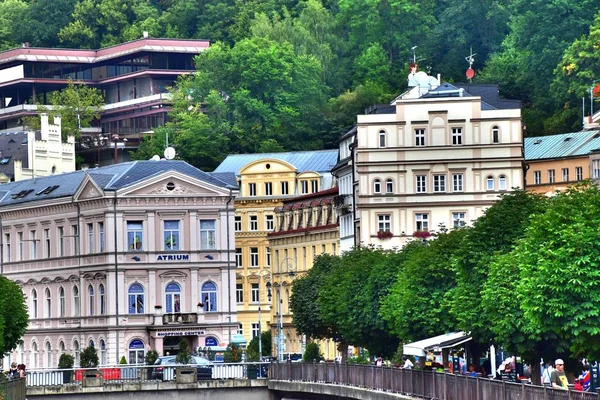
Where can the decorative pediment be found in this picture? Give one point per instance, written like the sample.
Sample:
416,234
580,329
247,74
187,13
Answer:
173,185
172,275
88,190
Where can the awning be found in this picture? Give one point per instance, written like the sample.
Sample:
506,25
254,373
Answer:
448,340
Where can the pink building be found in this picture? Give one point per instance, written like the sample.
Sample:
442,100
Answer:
129,257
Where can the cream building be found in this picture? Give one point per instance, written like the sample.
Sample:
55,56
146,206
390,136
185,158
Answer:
127,258
28,154
305,227
265,181
438,154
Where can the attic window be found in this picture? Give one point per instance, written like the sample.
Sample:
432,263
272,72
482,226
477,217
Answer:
25,141
47,190
11,141
170,186
4,161
567,139
596,136
538,141
21,194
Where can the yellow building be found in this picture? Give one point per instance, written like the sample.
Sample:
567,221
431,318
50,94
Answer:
266,181
306,227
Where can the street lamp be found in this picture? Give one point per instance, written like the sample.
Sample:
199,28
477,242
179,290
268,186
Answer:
289,267
115,139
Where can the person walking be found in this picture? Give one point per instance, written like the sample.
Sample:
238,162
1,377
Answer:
558,376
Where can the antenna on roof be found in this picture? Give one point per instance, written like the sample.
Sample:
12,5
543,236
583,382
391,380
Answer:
470,59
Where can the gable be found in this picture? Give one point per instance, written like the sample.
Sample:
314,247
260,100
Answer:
267,166
90,191
173,185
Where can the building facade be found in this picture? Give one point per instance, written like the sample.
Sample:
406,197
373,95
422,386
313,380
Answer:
126,258
556,161
344,202
438,154
28,154
133,77
265,181
305,227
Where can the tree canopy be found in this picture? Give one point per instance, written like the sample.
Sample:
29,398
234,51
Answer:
14,319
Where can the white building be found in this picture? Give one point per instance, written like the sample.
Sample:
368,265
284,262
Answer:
438,154
344,172
129,257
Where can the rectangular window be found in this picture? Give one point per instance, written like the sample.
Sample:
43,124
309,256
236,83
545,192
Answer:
422,222
75,234
240,329
238,257
33,240
253,222
252,189
596,169
254,256
90,228
237,225
101,236
255,329
550,176
457,136
255,293
268,253
135,236
303,187
419,137
7,244
47,243
565,174
439,183
208,234
314,185
268,189
285,188
269,222
171,235
579,173
384,223
537,177
457,182
20,236
381,139
61,241
459,219
239,293
421,183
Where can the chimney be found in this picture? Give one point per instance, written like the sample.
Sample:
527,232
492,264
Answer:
145,34
44,126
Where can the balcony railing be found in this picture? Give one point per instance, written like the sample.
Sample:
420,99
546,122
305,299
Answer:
342,200
175,319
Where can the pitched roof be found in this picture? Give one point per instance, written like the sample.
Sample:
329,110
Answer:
13,146
562,145
111,177
304,161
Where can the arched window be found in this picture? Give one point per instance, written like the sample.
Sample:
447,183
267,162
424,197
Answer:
173,298
136,299
34,301
376,186
382,138
502,182
389,186
48,306
21,353
490,183
76,352
495,134
209,296
91,343
102,299
61,300
91,299
136,352
48,355
34,355
102,352
61,347
76,303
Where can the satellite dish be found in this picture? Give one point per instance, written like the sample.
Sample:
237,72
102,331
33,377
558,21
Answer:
169,153
470,73
155,157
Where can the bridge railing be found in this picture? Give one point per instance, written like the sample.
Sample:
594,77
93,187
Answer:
420,383
140,373
12,389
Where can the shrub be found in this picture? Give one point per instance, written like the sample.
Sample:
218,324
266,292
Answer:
233,353
66,361
184,355
151,357
89,357
123,360
312,353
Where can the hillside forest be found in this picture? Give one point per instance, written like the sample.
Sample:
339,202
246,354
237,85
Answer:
293,74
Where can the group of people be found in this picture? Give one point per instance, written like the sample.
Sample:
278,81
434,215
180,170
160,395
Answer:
557,378
16,371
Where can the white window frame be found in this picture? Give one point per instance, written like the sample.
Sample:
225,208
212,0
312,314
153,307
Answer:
255,293
537,177
101,238
34,244
579,173
502,182
237,224
239,293
457,182
384,222
285,188
421,184
90,227
252,189
208,234
439,183
495,134
382,139
457,136
459,219
389,186
304,187
268,188
377,186
490,183
422,222
314,185
7,245
419,137
135,234
254,256
238,257
269,222
551,176
47,243
253,222
171,235
565,174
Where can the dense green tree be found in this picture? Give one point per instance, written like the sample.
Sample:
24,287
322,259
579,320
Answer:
312,353
419,301
89,357
43,19
493,234
184,355
10,11
13,315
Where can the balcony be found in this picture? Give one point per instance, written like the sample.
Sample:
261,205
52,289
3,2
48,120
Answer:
179,319
342,200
